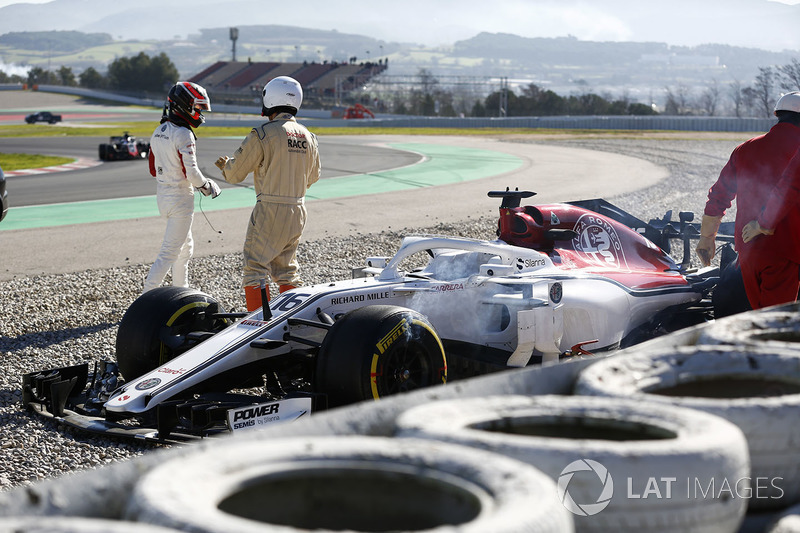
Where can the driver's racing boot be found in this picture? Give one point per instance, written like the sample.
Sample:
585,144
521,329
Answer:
252,296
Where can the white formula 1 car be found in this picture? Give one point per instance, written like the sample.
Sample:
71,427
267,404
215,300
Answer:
561,280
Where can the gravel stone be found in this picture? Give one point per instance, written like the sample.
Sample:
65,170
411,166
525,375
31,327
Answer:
59,320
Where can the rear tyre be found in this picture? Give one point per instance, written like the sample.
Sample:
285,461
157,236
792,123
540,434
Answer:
376,351
154,329
103,152
729,296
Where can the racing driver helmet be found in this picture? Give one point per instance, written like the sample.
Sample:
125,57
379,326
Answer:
788,102
282,92
187,101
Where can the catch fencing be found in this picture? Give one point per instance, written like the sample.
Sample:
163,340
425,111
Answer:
323,118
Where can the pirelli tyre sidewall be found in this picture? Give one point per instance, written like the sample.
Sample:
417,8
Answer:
758,389
151,329
620,465
352,483
777,327
377,351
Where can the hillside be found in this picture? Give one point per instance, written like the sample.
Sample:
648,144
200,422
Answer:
763,24
566,65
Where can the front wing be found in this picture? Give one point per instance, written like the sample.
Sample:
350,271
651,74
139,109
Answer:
67,396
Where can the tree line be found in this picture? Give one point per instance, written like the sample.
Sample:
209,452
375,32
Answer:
145,74
136,74
757,99
733,99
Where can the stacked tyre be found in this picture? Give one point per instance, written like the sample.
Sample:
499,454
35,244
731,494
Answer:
347,483
619,465
777,327
787,522
755,387
74,524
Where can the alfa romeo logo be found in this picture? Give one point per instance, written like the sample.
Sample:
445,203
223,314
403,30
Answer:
598,241
585,508
556,292
147,384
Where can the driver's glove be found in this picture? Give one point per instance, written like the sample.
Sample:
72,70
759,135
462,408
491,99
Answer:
210,189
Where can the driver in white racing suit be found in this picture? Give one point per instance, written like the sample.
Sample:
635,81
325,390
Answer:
174,165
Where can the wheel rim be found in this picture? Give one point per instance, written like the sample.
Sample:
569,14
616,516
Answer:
406,369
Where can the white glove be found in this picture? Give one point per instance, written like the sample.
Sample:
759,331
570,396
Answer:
210,189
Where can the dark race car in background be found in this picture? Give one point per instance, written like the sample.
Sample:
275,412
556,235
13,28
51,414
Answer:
561,281
124,146
43,116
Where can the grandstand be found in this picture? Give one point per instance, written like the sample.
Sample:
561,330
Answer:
324,84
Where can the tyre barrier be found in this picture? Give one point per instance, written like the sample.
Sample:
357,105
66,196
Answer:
71,524
756,388
777,327
620,465
787,522
347,483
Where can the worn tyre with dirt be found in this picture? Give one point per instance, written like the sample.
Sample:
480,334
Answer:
620,465
74,524
777,327
756,388
788,521
343,483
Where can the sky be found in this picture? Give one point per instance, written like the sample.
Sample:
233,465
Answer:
4,3
448,21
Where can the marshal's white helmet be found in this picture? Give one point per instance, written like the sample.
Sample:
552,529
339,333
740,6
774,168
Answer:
788,102
282,91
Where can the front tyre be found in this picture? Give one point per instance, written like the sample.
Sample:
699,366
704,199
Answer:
154,329
376,351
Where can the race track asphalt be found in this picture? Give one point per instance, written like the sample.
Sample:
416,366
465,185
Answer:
411,197
556,173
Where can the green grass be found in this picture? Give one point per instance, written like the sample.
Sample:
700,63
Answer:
138,129
10,162
145,129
